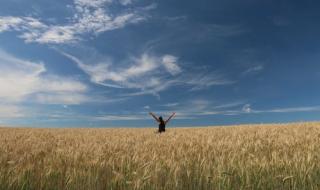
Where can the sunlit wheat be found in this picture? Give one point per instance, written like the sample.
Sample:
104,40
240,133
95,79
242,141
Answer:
238,157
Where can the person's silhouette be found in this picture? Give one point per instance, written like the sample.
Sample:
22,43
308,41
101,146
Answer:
162,123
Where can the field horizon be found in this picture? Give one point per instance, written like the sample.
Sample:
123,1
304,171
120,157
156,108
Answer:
155,127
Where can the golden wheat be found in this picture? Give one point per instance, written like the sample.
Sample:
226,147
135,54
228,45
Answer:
238,157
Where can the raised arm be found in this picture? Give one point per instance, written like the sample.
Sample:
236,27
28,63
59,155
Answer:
170,118
155,117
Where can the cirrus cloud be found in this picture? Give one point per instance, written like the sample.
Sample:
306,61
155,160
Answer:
148,74
90,17
20,79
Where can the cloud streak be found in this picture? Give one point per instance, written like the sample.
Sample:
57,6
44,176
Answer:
247,109
253,70
120,117
130,77
143,73
147,74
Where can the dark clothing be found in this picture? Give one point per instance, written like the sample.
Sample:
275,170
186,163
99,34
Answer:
162,127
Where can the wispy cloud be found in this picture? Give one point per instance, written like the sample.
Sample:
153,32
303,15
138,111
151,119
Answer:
246,108
20,24
140,74
253,70
20,79
120,117
205,80
185,108
184,29
170,63
146,107
90,17
171,104
229,105
10,111
292,109
91,3
149,74
61,98
125,2
141,116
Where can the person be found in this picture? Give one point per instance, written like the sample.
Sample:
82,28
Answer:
162,123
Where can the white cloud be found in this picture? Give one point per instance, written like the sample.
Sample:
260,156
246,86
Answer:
161,86
246,108
202,107
146,107
125,2
9,23
141,74
10,111
294,109
20,79
253,70
91,3
120,117
55,34
229,105
90,17
171,104
201,81
20,23
198,105
61,98
61,84
189,107
170,63
99,73
142,65
148,74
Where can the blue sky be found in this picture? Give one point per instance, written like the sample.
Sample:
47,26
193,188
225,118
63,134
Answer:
107,63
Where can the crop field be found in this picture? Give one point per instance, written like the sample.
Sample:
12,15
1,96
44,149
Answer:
285,156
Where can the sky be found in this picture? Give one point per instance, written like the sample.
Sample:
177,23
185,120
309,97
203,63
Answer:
108,63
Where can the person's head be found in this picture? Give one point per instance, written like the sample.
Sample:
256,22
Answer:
161,119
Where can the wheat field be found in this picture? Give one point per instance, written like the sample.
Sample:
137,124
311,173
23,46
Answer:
285,156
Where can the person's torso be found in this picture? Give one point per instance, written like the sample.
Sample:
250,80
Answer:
162,125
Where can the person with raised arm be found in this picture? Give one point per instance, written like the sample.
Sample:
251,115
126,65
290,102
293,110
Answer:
162,123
